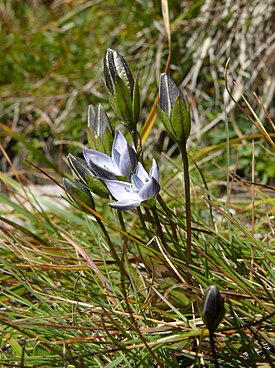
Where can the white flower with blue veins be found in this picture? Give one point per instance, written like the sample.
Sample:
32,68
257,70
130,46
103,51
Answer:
143,187
123,161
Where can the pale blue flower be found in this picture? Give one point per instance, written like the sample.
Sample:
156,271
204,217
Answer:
143,187
123,161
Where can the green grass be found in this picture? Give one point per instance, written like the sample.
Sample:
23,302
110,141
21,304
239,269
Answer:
71,296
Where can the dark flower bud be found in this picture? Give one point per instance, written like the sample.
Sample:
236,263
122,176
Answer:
213,308
173,110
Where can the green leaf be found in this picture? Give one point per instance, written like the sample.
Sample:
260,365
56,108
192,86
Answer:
17,348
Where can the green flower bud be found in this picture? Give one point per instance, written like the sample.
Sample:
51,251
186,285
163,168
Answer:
213,308
98,120
173,110
83,173
78,194
100,135
115,66
124,90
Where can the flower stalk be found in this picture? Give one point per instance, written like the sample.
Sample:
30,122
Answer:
184,156
174,112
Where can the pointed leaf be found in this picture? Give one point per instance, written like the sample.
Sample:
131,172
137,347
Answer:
97,187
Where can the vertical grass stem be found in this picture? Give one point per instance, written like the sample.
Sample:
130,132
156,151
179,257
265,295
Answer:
187,201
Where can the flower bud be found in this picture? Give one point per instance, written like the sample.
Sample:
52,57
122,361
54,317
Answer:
115,66
173,110
100,133
98,120
124,91
83,173
213,308
78,194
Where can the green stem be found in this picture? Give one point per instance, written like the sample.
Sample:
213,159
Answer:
135,324
137,143
142,221
187,200
159,229
119,261
109,241
169,214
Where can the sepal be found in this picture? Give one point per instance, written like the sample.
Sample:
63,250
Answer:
78,194
180,120
100,135
83,173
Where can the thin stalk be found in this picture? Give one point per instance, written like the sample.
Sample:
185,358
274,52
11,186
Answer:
135,323
109,241
124,262
213,349
168,213
137,143
159,229
119,261
187,201
123,227
143,224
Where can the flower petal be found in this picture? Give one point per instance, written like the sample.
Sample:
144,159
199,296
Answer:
149,190
125,205
119,146
154,172
122,191
141,174
101,163
128,162
123,155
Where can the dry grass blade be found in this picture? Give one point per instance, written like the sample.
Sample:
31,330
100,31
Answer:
254,118
92,265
